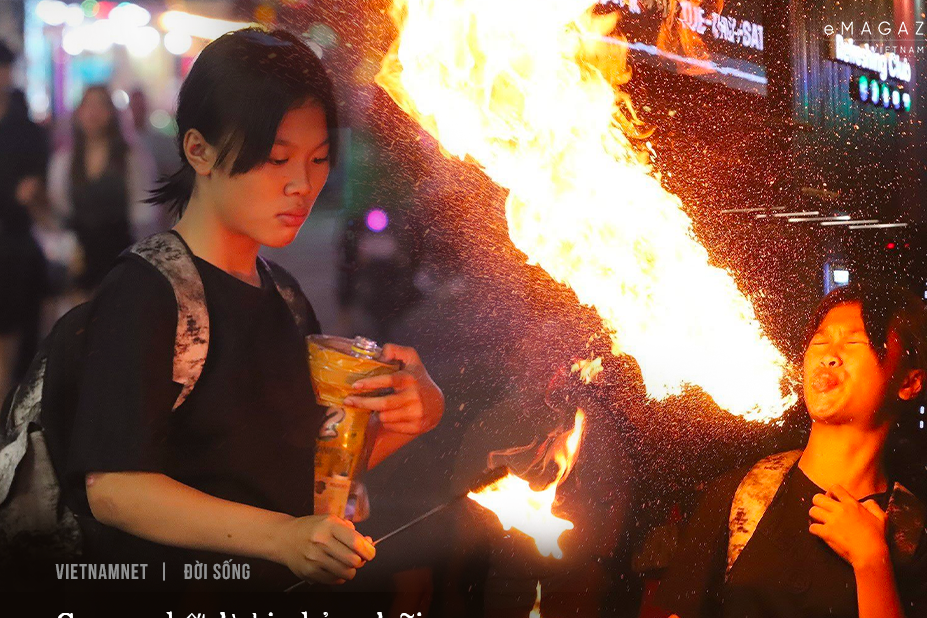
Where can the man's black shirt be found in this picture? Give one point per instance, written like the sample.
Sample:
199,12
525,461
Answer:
23,153
783,571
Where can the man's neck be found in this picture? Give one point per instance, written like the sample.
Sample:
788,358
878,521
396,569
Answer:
847,456
212,241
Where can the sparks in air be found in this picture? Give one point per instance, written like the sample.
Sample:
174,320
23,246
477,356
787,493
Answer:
588,370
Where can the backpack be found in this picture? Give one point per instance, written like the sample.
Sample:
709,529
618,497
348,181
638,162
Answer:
34,521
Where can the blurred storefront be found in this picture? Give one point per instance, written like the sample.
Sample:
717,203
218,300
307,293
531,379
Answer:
128,46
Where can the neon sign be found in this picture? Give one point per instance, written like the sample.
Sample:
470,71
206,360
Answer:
865,56
880,94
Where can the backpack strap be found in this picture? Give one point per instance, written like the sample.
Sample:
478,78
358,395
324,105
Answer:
753,496
906,516
289,290
168,253
23,407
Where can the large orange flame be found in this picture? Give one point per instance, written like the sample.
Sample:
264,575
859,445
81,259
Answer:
519,506
509,85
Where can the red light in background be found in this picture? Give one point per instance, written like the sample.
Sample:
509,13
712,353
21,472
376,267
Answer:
103,9
890,245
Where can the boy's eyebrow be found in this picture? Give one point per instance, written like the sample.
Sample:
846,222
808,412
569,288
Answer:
852,331
283,142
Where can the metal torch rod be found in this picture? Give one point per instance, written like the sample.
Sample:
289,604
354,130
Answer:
401,528
418,520
485,479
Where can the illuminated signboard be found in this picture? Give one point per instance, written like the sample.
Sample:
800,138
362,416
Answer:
885,63
886,87
710,40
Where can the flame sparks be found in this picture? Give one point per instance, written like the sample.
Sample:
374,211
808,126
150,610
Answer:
588,370
536,610
518,506
514,86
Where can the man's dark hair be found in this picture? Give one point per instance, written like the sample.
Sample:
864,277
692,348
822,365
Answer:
237,93
885,308
7,57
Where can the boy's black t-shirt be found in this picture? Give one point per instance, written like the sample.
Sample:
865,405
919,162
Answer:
247,431
784,571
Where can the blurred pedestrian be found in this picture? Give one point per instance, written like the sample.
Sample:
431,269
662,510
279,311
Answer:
23,161
161,147
99,184
379,257
63,256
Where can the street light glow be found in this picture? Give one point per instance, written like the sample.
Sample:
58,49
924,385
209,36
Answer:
197,25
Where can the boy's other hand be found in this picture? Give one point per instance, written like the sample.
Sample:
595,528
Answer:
416,404
855,531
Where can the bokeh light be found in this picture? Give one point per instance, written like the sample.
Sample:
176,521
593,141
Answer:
377,220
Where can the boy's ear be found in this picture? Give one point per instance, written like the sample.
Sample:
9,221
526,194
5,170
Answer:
199,153
912,385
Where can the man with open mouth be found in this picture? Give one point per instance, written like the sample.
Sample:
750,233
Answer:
828,530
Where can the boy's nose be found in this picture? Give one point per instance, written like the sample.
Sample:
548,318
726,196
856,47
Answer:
298,187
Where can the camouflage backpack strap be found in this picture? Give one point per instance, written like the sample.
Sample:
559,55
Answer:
289,291
24,407
168,253
753,496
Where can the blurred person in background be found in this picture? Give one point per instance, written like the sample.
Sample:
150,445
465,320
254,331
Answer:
159,145
379,258
99,184
23,161
63,256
